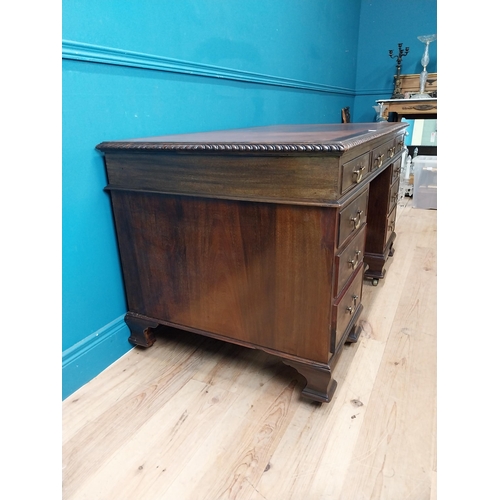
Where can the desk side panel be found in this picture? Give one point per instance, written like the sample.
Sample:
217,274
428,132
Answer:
255,272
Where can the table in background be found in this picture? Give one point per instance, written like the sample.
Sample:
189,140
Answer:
413,108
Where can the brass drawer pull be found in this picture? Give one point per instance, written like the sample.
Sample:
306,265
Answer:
357,174
391,151
357,220
378,160
392,226
354,262
352,308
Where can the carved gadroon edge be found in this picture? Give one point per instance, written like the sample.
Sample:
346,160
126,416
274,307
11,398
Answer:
338,146
164,146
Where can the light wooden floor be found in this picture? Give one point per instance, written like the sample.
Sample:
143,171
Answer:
193,418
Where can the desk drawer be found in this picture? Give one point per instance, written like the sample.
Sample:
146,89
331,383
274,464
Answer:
391,224
383,153
348,261
396,170
345,308
393,195
353,171
400,143
353,216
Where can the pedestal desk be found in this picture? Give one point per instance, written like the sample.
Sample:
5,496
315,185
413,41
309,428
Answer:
257,236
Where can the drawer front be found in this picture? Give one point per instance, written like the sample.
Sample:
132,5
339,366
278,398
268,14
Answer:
345,308
400,143
352,217
353,171
382,154
396,169
393,195
391,224
349,260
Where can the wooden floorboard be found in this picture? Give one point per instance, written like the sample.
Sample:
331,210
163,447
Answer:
193,418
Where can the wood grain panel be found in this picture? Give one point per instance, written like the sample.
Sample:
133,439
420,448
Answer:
259,273
310,179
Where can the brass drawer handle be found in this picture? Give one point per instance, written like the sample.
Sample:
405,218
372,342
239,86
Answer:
357,220
354,262
378,161
392,226
391,151
357,174
352,308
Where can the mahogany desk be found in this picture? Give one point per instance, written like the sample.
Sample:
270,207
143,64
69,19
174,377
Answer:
258,236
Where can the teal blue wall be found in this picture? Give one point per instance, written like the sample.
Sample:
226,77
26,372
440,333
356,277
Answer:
132,69
383,25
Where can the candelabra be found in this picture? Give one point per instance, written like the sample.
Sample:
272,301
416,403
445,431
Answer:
397,79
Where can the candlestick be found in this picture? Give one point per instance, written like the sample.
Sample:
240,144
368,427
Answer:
427,39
